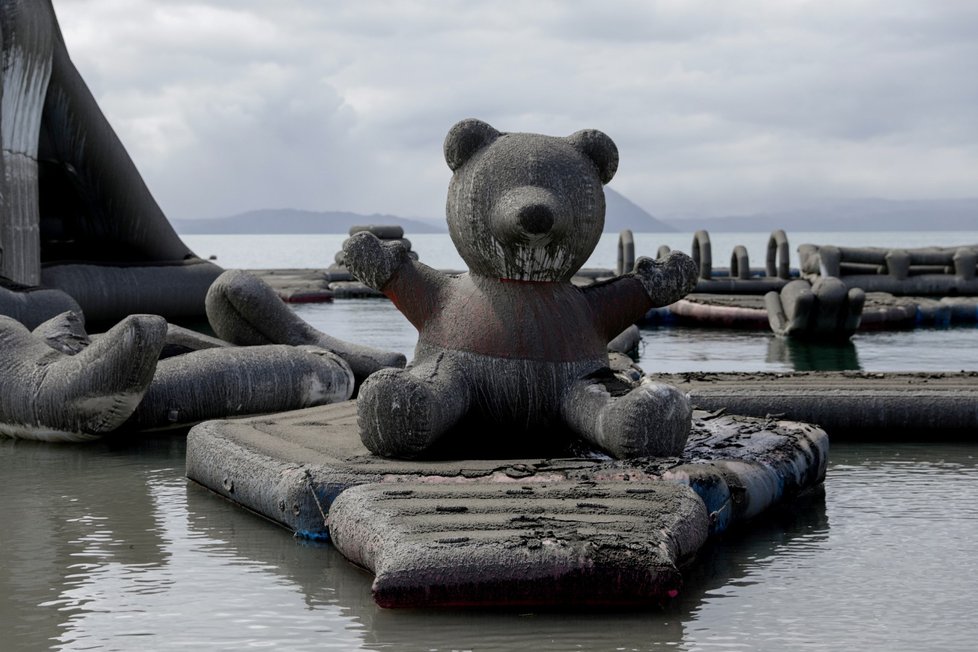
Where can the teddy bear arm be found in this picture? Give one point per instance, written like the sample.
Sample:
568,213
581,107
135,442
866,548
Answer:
617,304
416,290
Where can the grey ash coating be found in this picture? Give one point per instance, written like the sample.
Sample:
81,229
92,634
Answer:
244,310
512,343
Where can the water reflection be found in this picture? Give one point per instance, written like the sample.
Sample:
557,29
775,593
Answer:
109,547
71,513
813,356
677,349
324,577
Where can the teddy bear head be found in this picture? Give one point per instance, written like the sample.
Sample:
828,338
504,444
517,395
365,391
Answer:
526,207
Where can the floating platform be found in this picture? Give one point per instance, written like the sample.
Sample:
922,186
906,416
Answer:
881,311
550,530
847,404
297,285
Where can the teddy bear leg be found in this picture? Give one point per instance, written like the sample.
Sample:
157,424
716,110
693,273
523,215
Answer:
402,412
652,419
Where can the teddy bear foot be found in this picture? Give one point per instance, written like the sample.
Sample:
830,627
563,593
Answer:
651,420
402,415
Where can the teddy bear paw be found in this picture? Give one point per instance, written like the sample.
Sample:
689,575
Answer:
667,280
372,260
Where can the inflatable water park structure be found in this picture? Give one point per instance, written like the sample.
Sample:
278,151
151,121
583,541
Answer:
521,458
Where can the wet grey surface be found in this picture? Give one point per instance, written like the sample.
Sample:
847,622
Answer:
111,548
678,349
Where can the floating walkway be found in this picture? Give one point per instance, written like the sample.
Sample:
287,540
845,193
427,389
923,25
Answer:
847,404
543,531
297,285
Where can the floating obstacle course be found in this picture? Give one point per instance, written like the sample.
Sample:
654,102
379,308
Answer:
928,271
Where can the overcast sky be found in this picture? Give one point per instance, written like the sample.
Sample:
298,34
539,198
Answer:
717,107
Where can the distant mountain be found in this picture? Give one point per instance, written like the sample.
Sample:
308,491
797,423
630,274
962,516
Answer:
290,220
621,213
850,215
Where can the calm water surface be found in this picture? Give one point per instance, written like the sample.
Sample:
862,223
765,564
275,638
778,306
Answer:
316,251
678,349
108,547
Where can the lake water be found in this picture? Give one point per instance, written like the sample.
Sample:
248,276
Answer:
316,251
107,546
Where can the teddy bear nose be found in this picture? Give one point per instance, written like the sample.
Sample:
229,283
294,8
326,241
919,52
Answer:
536,218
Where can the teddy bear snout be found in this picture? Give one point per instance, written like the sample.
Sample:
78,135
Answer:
528,215
536,219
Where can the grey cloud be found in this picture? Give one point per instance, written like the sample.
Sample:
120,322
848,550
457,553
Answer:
717,107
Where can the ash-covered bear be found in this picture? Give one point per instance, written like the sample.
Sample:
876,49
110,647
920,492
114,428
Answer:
513,344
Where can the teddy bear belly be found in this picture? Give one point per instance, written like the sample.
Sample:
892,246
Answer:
549,322
545,347
510,391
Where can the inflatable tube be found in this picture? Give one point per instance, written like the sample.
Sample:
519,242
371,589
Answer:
175,292
627,341
180,340
962,310
702,255
244,310
891,314
739,286
297,285
740,263
225,382
879,406
965,264
777,263
925,285
382,231
71,194
27,40
719,315
354,290
50,396
626,252
32,305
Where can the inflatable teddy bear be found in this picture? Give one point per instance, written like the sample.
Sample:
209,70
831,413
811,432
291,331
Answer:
513,344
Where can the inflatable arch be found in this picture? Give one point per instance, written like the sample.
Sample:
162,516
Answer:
75,215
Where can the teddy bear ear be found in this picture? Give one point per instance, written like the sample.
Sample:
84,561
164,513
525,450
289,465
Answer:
598,147
465,139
